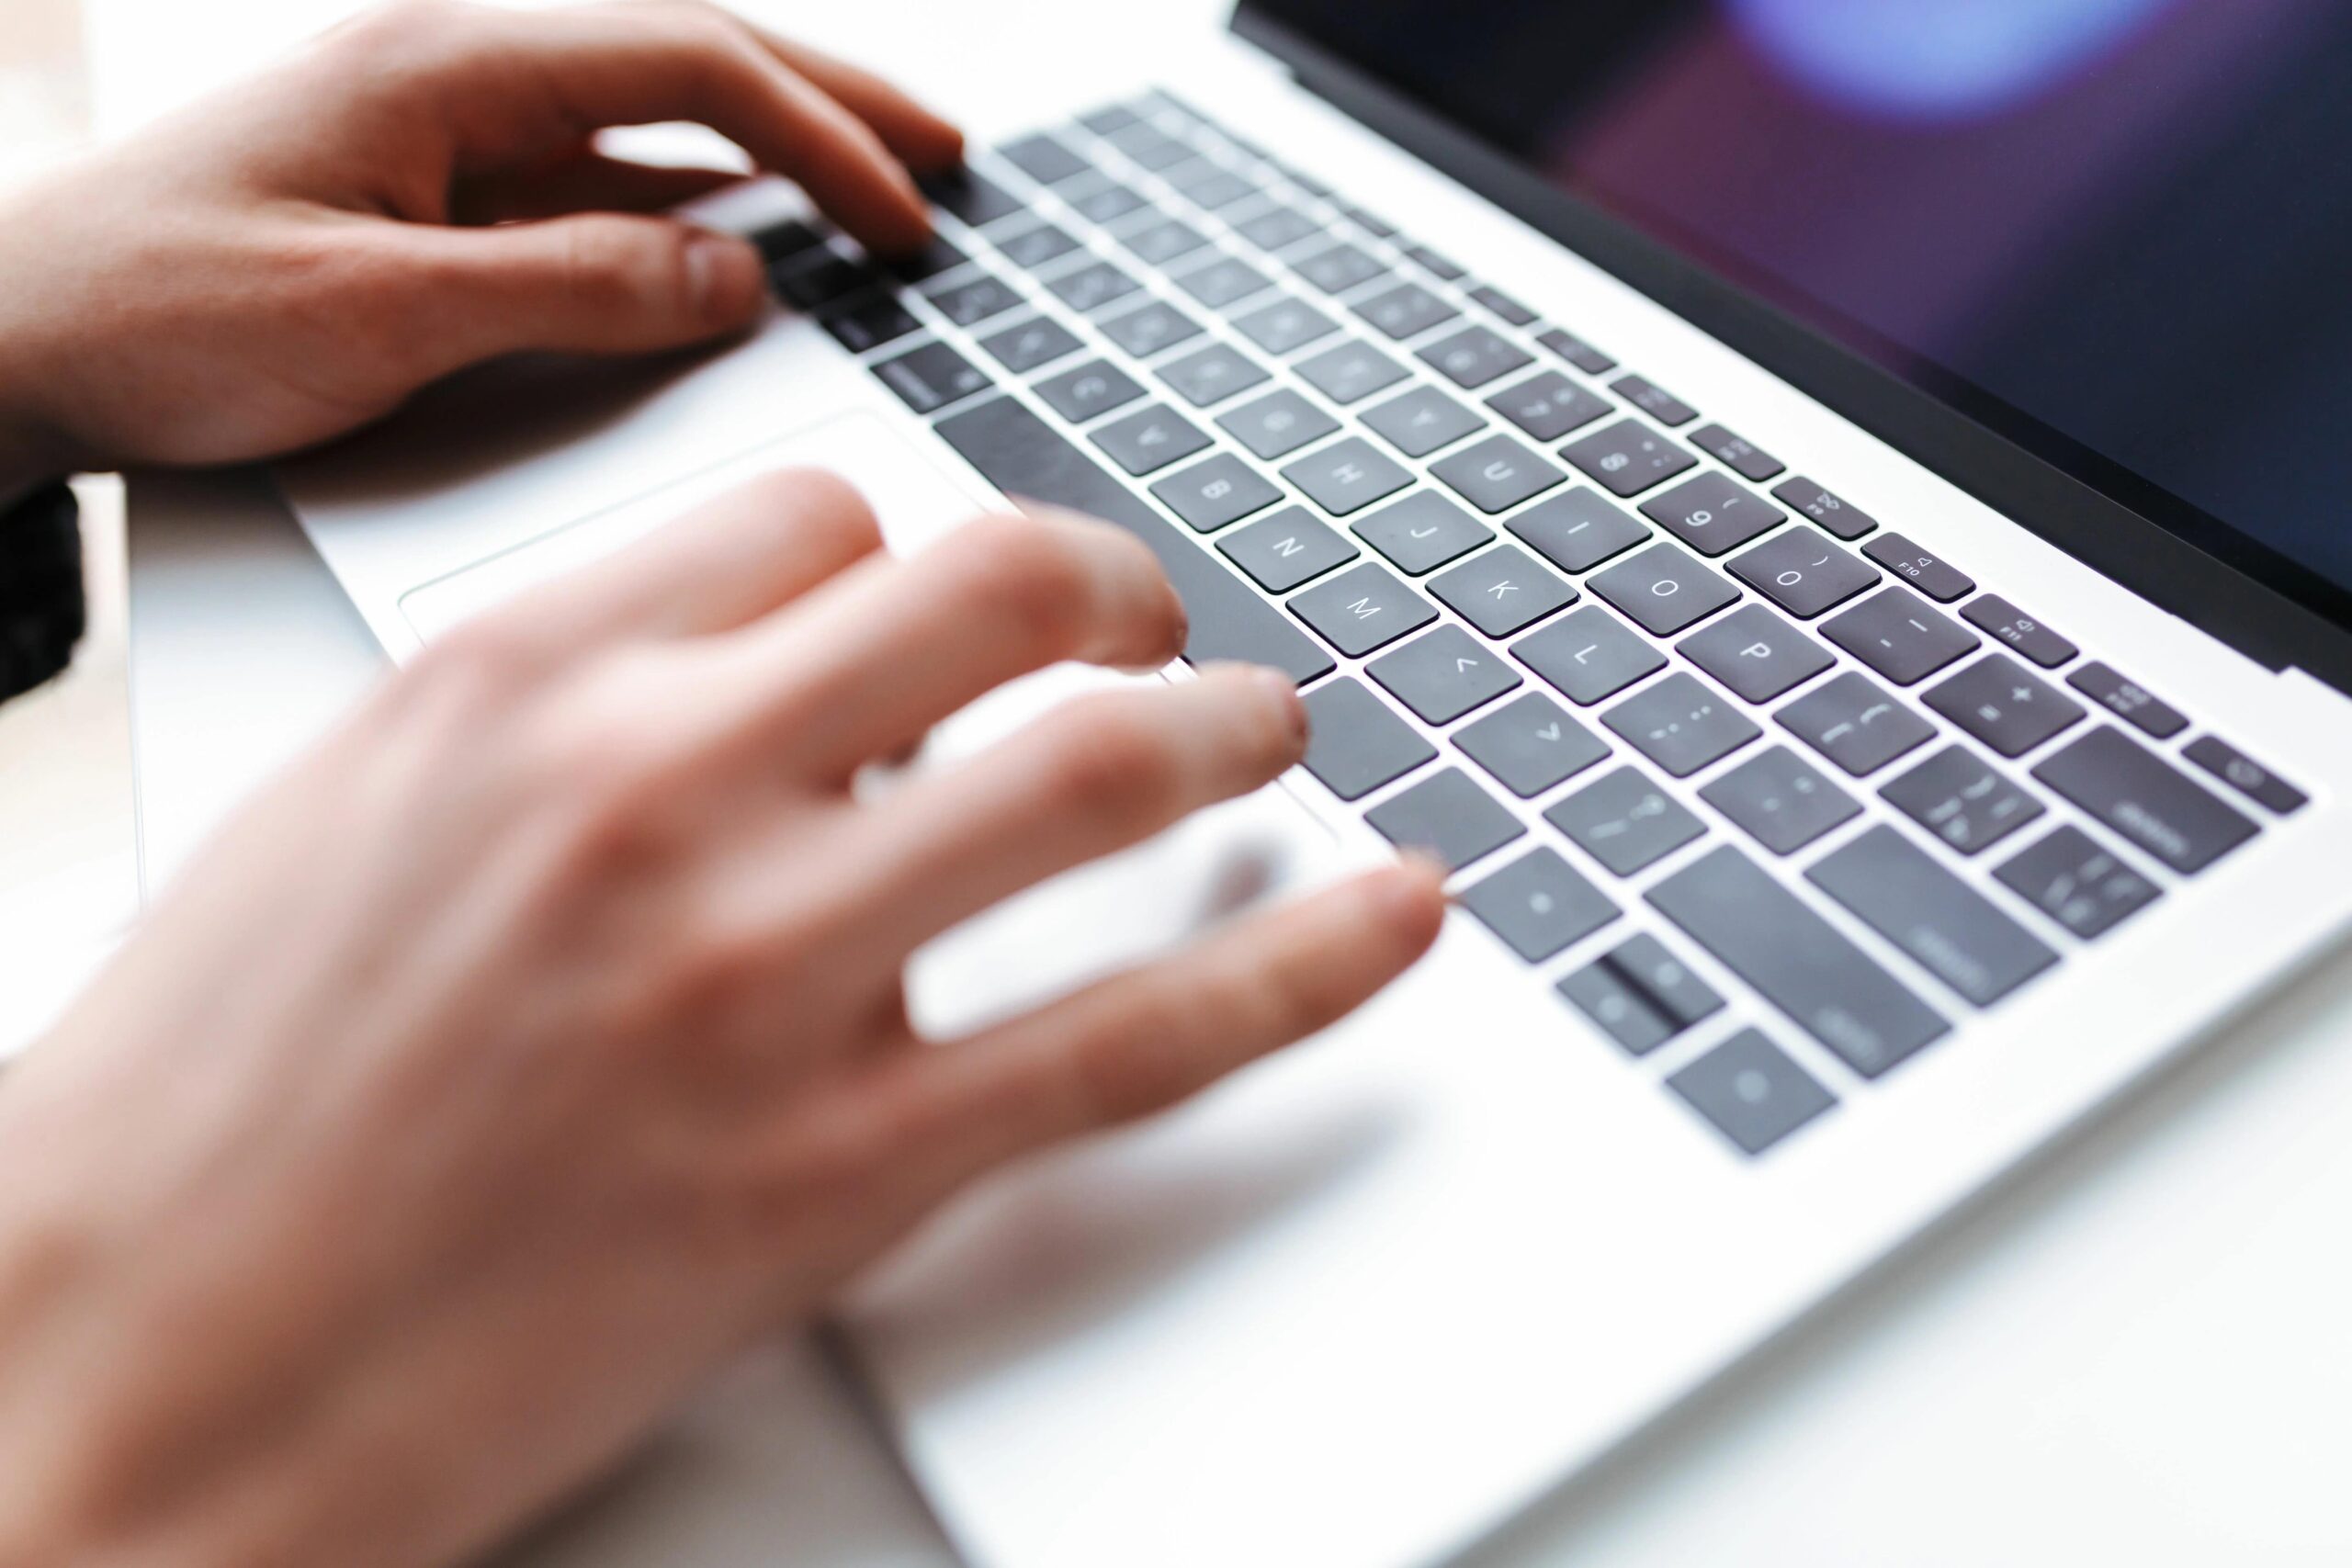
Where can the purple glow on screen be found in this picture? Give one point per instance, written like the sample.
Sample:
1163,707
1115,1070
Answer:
1936,59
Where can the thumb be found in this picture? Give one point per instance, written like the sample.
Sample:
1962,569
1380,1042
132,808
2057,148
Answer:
592,283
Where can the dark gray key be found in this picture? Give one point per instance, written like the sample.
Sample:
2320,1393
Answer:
1149,439
1751,1092
1285,325
870,323
1090,288
1042,159
779,241
1150,147
1378,228
1421,531
1601,993
1855,724
1474,356
1931,574
1663,590
1350,372
968,304
1576,351
1407,310
1019,454
1278,422
1624,821
975,198
1771,938
1501,591
2004,622
1801,573
1503,305
1446,814
1547,406
1210,374
1355,743
2129,700
1223,281
1082,391
1104,201
1276,228
2069,878
1108,118
1577,531
1210,185
1589,655
1290,548
1163,240
1024,345
2004,705
1780,800
1362,608
1147,329
2243,774
820,278
1837,516
1681,726
1712,513
1651,968
1035,246
1627,458
1435,264
1956,795
1420,421
1896,634
1947,927
1347,476
1756,655
2146,799
1741,456
1654,399
1335,269
931,376
1540,903
1497,474
1530,744
1442,675
1216,491
937,256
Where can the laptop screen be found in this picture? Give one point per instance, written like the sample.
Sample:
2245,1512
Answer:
2117,231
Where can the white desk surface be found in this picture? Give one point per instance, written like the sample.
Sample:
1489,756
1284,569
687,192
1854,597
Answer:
2136,1352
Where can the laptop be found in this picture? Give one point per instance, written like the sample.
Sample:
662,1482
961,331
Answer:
1824,515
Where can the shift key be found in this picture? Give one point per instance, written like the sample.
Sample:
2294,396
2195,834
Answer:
1802,964
2146,799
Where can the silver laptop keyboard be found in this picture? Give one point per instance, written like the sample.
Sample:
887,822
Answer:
1517,581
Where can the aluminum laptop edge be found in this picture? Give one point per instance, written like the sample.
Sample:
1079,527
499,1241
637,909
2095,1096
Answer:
1359,1305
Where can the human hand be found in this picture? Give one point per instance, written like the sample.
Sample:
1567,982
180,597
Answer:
412,192
539,1039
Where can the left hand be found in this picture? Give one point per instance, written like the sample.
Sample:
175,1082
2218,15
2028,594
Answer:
414,192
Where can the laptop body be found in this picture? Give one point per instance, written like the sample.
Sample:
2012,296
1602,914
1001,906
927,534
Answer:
1361,1303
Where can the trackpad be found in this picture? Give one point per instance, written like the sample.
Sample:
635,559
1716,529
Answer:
914,498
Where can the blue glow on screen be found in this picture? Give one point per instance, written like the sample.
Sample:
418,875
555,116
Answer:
1938,59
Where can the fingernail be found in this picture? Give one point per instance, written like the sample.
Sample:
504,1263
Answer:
722,277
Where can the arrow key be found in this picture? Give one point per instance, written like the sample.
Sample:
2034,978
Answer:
1530,744
1443,675
1502,591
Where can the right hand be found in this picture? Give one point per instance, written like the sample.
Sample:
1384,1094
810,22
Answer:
539,1039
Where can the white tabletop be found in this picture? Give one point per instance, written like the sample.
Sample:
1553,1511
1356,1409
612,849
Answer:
2134,1352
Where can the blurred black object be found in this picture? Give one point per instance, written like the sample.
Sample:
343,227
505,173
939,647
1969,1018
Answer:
42,613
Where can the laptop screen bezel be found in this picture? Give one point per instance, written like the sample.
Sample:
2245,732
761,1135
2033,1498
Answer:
2271,608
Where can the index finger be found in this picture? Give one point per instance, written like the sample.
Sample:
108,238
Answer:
639,64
